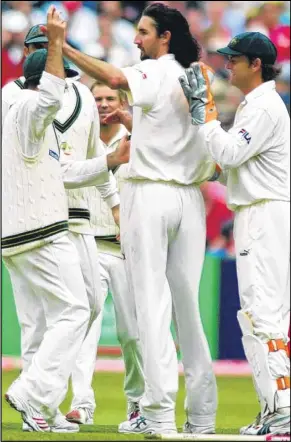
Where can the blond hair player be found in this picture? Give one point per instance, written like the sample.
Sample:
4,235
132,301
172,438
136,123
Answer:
112,272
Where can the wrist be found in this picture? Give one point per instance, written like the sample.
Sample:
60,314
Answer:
55,42
112,161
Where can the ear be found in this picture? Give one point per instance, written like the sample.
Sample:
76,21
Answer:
166,36
257,64
25,51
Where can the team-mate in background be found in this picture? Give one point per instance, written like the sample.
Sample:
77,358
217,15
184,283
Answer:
255,159
112,271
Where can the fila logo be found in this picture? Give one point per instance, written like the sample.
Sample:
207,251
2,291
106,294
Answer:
245,135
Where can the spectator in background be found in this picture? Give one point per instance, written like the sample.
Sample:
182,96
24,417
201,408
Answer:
266,19
227,100
215,60
223,245
196,18
106,48
214,27
122,30
283,85
14,28
216,211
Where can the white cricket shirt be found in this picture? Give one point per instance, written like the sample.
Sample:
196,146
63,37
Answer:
255,152
164,144
78,128
34,203
102,220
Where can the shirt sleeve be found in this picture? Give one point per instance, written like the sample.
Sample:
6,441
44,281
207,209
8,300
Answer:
85,173
37,113
109,191
144,83
249,137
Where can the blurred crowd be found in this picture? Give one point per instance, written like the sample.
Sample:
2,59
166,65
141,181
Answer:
106,30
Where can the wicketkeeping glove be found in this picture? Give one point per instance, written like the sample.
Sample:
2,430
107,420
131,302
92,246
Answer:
197,91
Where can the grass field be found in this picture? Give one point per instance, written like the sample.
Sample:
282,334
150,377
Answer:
237,407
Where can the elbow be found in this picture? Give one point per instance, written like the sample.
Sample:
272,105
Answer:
116,81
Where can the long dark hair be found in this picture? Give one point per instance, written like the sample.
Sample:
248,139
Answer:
185,47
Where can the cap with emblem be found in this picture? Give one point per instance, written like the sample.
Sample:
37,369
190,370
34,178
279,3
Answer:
34,65
253,44
35,35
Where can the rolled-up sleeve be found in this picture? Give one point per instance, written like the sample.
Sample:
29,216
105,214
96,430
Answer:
144,83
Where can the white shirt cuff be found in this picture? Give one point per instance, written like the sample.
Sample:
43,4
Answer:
113,200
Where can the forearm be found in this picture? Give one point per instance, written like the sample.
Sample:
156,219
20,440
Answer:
226,149
54,62
100,70
89,173
85,173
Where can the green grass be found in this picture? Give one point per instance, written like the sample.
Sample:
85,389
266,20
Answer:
237,407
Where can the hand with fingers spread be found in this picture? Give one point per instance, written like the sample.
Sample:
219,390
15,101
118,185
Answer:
196,88
119,117
55,28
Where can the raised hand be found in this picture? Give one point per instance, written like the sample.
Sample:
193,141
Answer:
55,28
119,117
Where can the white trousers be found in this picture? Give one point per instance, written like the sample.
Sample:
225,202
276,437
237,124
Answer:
113,278
34,323
49,276
163,237
262,243
83,369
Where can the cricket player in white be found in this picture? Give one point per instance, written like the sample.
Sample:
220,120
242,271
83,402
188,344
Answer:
163,218
33,240
112,269
34,243
78,132
77,128
255,159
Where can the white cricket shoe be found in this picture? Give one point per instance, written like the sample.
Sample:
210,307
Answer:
141,425
133,410
60,425
190,428
32,417
274,423
80,416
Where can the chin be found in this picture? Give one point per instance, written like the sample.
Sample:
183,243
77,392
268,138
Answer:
144,57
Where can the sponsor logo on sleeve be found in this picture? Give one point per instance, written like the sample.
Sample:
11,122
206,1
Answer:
245,135
54,155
